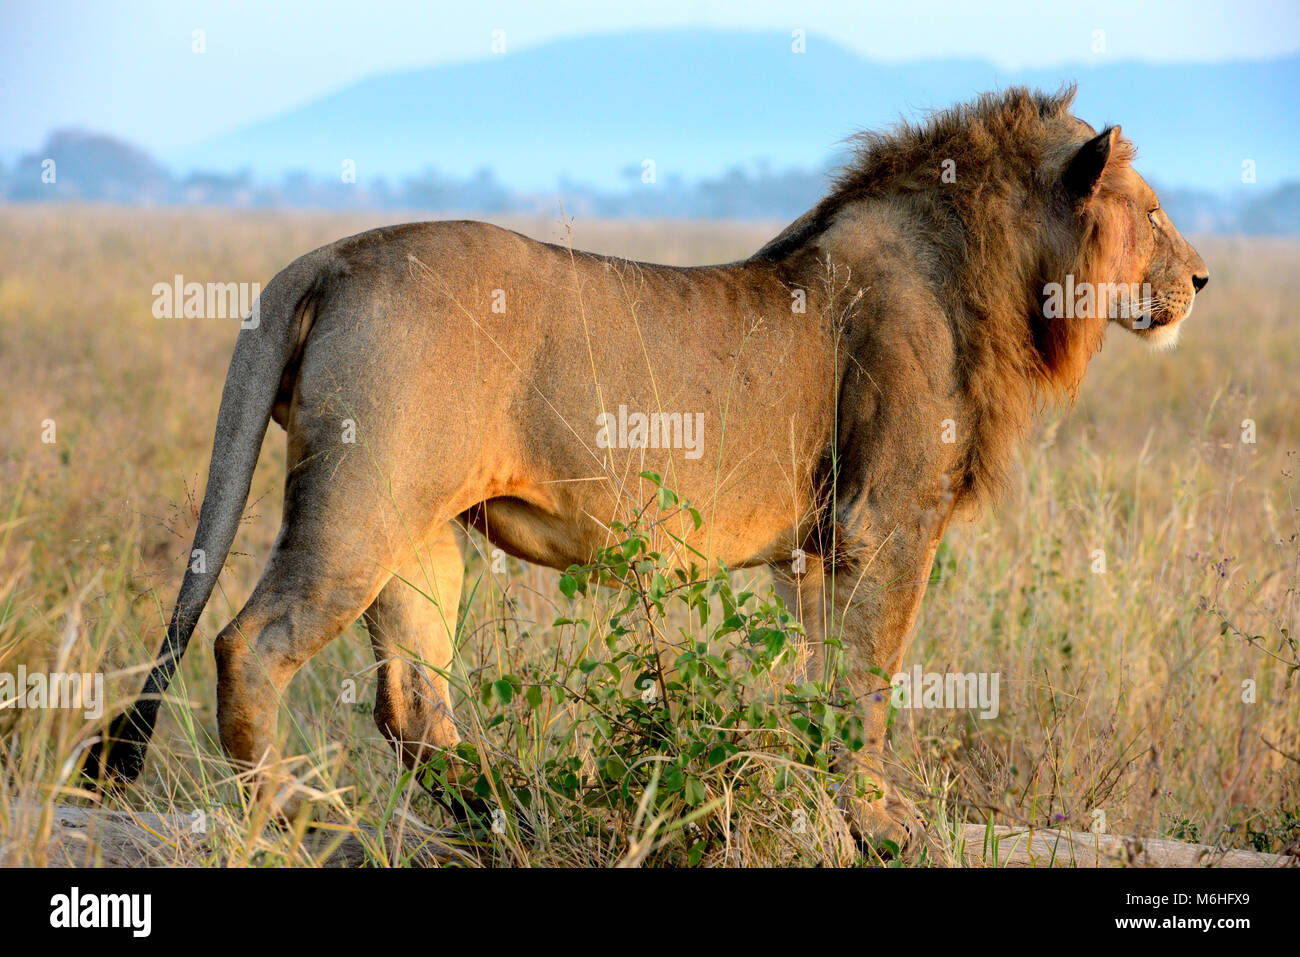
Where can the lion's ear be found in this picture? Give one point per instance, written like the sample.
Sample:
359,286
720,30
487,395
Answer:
1086,166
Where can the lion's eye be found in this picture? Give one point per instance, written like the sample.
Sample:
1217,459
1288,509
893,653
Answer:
1151,218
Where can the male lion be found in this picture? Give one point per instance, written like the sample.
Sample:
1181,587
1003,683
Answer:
860,378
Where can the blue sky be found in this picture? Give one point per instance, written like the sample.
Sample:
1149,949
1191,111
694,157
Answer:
128,67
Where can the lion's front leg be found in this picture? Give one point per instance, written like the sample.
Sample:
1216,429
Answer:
868,601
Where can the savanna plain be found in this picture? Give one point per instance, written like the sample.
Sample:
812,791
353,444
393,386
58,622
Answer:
1135,589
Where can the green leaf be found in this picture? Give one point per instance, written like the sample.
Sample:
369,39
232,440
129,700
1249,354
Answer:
503,690
695,854
891,848
732,623
614,768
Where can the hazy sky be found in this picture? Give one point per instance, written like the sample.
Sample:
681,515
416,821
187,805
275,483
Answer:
128,68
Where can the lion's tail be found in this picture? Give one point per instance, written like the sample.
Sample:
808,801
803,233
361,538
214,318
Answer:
267,343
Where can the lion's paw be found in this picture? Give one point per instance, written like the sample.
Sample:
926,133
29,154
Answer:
888,825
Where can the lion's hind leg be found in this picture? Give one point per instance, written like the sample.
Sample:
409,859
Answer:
412,625
300,604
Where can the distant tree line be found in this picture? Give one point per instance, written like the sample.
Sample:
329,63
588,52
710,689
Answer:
78,165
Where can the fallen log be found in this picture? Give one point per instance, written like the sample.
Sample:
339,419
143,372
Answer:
1048,847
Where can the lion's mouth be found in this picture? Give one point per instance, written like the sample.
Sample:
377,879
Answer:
1159,311
1165,316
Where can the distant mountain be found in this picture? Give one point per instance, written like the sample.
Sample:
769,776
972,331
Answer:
592,110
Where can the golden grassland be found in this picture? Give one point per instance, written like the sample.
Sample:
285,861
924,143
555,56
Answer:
1121,691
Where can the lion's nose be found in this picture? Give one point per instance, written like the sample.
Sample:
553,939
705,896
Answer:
1200,281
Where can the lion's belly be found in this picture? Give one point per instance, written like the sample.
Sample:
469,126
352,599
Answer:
531,533
549,533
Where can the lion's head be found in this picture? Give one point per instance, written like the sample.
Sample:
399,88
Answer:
1118,257
1028,210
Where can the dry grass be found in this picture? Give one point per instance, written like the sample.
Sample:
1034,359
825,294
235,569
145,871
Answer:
1121,692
